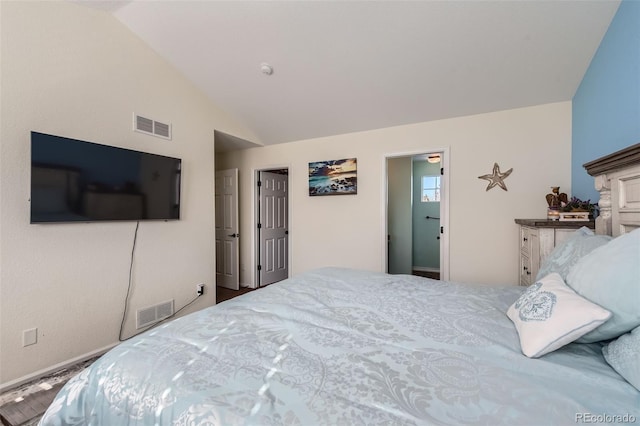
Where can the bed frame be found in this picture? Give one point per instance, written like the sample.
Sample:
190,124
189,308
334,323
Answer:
617,179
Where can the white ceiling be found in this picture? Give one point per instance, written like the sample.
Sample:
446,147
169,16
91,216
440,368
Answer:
344,66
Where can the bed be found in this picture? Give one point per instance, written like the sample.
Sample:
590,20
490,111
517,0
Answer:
340,346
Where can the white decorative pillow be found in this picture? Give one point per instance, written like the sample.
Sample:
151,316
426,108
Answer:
550,315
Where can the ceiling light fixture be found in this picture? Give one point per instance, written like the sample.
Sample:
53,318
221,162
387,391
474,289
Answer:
266,68
433,158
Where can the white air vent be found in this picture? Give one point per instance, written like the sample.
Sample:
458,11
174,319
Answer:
153,314
151,127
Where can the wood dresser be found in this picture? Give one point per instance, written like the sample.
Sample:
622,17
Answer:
538,237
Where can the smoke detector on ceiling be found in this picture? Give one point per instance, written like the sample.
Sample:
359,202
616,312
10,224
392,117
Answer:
266,68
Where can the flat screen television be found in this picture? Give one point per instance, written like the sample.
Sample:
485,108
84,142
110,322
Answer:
78,181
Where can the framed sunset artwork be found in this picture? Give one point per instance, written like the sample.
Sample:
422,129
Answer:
333,177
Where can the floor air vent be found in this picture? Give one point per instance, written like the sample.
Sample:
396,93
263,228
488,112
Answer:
153,314
151,127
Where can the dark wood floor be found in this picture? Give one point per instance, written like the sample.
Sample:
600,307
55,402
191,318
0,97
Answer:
29,410
223,294
428,274
25,404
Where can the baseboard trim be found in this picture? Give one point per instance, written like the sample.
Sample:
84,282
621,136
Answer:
7,386
425,269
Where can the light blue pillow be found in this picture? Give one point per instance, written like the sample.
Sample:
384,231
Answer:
610,277
566,254
623,354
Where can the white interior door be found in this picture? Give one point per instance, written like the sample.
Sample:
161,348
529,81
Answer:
273,227
227,236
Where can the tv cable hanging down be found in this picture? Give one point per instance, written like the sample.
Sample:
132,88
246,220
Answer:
126,299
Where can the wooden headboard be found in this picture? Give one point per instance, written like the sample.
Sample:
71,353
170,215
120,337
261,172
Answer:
617,179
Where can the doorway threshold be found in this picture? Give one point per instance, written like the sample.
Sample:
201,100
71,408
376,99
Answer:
421,271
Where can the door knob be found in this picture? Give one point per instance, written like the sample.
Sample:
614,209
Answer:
234,235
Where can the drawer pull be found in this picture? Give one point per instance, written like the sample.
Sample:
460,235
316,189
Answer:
525,239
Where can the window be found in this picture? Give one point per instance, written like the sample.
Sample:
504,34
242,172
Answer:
430,188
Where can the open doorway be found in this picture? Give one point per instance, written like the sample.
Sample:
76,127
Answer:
229,273
272,225
416,212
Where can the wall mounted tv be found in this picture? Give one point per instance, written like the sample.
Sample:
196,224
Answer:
77,181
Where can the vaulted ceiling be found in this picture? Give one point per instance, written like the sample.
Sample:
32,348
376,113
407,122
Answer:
345,66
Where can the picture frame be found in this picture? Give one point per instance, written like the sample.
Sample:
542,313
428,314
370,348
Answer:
333,177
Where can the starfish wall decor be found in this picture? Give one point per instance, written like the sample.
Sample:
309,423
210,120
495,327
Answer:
496,178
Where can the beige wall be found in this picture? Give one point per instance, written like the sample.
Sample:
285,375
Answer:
74,71
350,230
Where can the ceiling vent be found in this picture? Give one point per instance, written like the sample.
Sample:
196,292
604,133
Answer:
151,127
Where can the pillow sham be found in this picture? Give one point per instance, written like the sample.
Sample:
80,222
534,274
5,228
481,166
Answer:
566,254
610,277
549,315
623,354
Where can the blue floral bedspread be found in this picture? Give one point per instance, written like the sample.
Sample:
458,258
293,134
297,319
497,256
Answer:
344,347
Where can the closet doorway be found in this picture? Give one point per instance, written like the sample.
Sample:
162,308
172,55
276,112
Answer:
416,212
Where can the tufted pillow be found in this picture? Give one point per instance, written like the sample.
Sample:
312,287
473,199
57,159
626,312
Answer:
623,354
550,315
610,277
566,254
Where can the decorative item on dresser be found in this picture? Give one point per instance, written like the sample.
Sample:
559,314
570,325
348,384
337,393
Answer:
537,238
555,201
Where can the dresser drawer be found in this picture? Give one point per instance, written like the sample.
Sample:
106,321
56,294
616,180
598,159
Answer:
527,235
526,273
528,241
529,258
